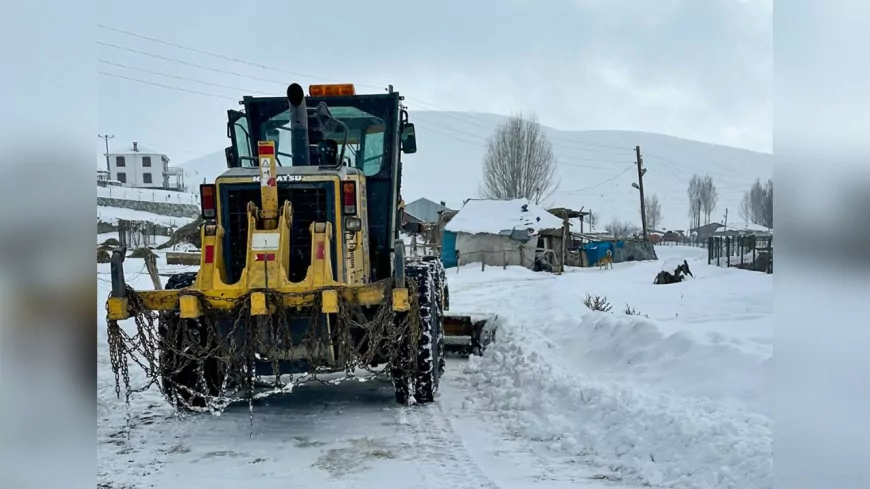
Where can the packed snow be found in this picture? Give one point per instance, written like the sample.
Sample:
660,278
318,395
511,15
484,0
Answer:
678,397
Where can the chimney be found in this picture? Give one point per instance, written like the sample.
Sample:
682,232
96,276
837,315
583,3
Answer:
135,146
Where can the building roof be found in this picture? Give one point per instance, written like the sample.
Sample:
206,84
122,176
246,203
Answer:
707,227
425,210
127,148
479,216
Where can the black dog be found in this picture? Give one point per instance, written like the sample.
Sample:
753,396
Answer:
671,278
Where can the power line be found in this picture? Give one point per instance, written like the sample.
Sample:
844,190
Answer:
217,70
488,127
165,86
623,172
445,112
187,63
179,77
215,55
562,159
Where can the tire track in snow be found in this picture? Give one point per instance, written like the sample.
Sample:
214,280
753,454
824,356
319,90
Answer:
445,463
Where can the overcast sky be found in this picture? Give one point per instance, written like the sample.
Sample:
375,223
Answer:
697,69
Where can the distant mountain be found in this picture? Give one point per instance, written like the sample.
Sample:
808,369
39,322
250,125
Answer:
595,167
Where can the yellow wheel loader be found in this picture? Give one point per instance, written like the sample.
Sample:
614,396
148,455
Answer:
302,272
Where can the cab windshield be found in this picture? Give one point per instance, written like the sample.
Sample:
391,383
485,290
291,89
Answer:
366,137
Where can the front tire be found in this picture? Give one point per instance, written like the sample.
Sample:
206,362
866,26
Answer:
422,379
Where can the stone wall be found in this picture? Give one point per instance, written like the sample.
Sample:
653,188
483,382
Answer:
107,227
162,208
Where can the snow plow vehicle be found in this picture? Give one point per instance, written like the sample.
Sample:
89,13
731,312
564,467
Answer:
302,272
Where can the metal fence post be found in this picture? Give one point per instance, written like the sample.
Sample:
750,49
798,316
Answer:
728,250
710,252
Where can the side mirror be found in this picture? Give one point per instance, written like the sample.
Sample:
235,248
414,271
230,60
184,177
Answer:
232,157
409,139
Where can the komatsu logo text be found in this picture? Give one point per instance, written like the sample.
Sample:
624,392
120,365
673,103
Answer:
282,178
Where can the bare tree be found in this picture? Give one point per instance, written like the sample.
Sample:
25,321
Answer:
592,219
694,193
653,211
759,200
519,162
709,197
767,205
745,209
622,229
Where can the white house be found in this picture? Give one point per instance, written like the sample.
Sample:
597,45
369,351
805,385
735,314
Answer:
137,166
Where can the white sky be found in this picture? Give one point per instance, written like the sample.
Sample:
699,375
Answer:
695,69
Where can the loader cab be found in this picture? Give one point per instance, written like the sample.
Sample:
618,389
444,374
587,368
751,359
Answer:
358,138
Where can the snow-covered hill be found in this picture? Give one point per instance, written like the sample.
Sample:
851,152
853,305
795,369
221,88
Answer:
595,167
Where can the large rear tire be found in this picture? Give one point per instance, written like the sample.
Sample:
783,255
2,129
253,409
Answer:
183,380
421,379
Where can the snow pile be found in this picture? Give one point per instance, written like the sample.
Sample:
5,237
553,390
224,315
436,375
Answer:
633,349
637,435
495,216
679,396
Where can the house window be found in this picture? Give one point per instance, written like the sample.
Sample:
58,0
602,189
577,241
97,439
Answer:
146,162
146,178
122,177
119,161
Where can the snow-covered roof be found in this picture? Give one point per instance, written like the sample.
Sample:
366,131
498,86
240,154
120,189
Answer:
128,149
495,216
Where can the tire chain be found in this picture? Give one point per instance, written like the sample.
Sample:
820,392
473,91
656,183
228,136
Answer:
143,346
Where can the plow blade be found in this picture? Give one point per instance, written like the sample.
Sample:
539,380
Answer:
469,334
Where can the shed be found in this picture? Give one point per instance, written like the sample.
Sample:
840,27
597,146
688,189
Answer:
499,233
425,210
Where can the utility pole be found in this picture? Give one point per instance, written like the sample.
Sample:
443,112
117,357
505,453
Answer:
726,219
565,234
640,172
107,138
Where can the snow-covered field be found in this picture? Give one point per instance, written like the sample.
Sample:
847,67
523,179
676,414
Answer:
148,195
566,397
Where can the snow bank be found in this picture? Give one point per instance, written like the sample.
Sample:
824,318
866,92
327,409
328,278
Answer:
495,216
641,436
679,399
633,349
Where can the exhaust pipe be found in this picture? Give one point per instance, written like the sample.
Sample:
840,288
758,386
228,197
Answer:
299,144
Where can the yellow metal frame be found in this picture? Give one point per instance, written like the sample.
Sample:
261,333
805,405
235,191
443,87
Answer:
266,267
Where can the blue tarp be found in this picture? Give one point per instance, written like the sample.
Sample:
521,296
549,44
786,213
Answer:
596,250
448,250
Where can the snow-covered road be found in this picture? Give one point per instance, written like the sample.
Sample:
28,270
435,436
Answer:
566,398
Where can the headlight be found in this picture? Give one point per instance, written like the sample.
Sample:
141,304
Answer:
353,224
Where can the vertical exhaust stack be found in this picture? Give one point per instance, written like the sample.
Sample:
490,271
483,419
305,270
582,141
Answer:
299,143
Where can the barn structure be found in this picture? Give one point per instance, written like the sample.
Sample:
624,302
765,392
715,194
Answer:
502,233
